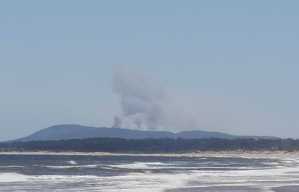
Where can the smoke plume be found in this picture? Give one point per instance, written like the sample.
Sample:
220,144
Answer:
146,105
141,102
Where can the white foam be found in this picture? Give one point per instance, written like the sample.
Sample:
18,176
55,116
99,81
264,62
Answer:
135,182
72,162
161,166
149,182
276,174
11,166
12,177
70,166
140,165
159,182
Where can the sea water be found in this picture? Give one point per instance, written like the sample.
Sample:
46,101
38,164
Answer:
148,173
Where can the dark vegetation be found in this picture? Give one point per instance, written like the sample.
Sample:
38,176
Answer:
152,145
70,131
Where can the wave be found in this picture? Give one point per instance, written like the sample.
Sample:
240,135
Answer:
11,166
17,177
12,177
141,165
175,166
159,182
72,162
274,175
70,166
125,183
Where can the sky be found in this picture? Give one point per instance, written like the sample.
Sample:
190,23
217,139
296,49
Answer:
231,66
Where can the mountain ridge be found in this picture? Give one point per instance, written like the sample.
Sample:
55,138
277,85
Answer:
74,131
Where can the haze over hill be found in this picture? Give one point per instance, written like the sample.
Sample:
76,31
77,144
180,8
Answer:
69,131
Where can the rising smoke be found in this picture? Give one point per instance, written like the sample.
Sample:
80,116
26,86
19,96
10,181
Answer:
141,103
145,105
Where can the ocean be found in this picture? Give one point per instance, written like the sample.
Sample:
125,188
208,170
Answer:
202,172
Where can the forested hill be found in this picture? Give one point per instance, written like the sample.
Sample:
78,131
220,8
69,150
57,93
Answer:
70,131
152,145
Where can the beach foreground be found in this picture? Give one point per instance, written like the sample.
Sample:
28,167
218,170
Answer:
234,171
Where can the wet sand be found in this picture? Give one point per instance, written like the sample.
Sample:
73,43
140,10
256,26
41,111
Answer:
235,189
286,189
219,189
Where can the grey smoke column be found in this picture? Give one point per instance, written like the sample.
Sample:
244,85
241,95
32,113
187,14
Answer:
141,102
145,105
117,123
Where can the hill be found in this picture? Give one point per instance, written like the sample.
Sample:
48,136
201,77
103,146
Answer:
69,131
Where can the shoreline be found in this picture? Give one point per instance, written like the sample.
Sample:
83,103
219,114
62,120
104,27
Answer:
238,153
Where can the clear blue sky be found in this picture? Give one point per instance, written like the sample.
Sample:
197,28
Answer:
57,60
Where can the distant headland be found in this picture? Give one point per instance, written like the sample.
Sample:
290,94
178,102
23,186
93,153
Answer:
78,138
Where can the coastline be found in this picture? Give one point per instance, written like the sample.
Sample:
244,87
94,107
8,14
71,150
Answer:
237,153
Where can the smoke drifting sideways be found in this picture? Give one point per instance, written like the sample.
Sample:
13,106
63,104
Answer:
145,105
